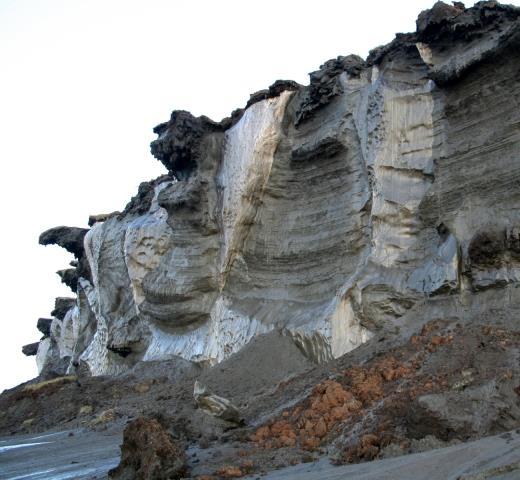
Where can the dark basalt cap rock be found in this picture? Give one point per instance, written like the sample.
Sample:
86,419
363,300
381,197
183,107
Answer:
30,349
433,19
273,91
69,238
69,277
444,24
142,201
102,217
44,326
61,306
402,43
455,22
178,145
325,85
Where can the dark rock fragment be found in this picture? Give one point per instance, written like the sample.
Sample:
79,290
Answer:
142,201
61,306
431,21
102,217
69,277
178,147
273,91
149,452
445,22
403,43
447,27
325,84
30,349
44,326
69,238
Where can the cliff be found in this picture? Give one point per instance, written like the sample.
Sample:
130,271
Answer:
379,197
331,271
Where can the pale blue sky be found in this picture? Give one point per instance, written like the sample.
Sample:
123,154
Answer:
84,81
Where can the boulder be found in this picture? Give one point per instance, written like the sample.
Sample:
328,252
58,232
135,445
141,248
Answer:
214,405
149,452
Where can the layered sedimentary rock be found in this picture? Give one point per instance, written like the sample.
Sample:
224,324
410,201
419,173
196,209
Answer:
385,190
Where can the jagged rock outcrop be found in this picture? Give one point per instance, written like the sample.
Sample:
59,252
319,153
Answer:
383,192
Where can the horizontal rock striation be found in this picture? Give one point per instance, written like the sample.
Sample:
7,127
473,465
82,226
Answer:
382,195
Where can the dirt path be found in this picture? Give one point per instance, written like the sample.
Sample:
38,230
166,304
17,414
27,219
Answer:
59,456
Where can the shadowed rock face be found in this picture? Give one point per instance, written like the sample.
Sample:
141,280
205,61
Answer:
328,212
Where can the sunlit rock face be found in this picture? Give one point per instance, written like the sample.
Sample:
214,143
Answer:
385,191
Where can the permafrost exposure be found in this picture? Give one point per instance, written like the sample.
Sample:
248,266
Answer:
385,191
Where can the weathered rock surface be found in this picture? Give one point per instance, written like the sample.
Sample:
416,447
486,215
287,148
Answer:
381,196
149,452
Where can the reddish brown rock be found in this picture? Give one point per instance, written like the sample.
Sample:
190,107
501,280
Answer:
149,452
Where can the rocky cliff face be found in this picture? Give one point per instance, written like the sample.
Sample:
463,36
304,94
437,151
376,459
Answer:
382,195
